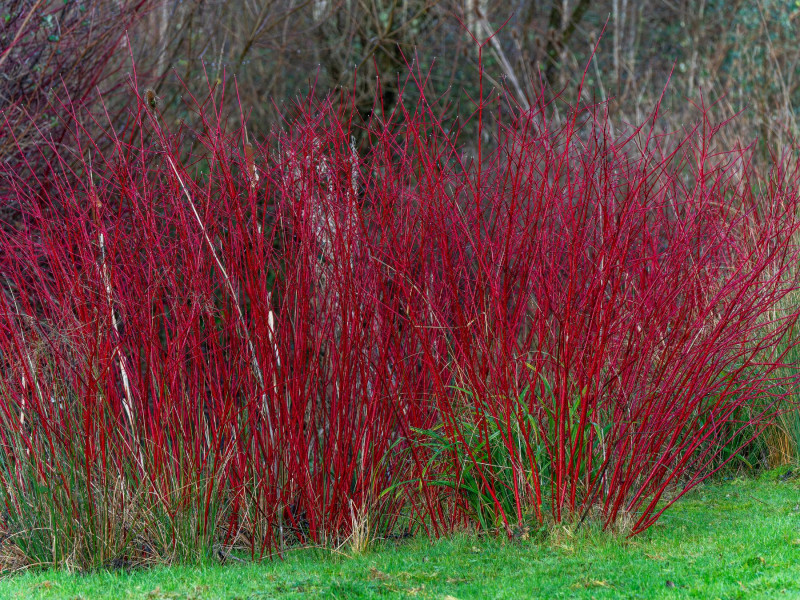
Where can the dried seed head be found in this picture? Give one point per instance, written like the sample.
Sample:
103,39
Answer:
249,158
150,99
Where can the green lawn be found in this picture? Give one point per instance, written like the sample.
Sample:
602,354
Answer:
733,539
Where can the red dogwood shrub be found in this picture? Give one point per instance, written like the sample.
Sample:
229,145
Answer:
213,342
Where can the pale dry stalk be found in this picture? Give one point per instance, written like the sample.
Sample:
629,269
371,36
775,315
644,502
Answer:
127,403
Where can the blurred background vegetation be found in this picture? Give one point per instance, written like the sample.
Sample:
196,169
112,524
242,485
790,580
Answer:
742,53
739,53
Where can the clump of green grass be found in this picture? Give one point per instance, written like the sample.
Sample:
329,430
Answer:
737,538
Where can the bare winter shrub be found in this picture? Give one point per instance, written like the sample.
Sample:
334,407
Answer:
259,344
